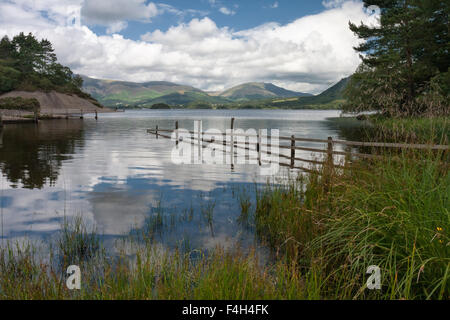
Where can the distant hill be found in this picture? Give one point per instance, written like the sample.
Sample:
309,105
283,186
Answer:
331,96
254,94
111,93
145,94
333,93
258,90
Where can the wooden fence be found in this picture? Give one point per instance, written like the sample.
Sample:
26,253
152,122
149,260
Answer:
294,146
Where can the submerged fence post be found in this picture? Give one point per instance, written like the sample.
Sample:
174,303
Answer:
292,151
96,115
156,132
224,147
258,146
81,114
232,143
176,133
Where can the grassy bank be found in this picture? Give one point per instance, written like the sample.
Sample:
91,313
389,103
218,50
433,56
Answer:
392,214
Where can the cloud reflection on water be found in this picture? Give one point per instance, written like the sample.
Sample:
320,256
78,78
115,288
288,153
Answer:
115,174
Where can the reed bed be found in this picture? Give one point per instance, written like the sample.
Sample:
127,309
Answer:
389,213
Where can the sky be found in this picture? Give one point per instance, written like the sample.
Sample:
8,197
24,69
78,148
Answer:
302,45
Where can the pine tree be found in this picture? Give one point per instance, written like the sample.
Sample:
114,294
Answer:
32,64
6,48
400,56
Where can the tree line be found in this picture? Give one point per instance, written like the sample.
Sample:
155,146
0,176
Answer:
405,60
29,64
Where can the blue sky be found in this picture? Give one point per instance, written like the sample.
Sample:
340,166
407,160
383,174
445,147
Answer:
209,44
243,14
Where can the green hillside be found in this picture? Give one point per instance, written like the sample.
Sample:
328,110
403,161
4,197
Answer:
257,90
184,99
145,94
330,98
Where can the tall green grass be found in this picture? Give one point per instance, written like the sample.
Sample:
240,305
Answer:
411,130
392,213
151,274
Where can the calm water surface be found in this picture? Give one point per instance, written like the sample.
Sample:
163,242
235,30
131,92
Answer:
118,177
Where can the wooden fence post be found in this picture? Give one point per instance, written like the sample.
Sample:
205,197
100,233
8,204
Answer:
329,165
81,114
96,115
292,152
330,152
258,146
176,132
200,141
156,132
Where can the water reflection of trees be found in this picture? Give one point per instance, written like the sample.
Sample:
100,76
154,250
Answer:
32,155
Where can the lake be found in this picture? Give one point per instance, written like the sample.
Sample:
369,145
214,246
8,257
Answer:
118,177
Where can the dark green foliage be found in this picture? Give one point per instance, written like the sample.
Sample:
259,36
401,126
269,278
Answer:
199,105
405,60
9,77
18,103
160,106
28,64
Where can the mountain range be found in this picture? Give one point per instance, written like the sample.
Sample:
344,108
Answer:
114,93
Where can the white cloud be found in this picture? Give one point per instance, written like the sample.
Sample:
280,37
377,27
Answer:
116,27
227,11
115,13
275,5
332,3
112,11
307,54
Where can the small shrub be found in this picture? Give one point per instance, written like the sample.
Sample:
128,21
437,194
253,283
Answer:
19,103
